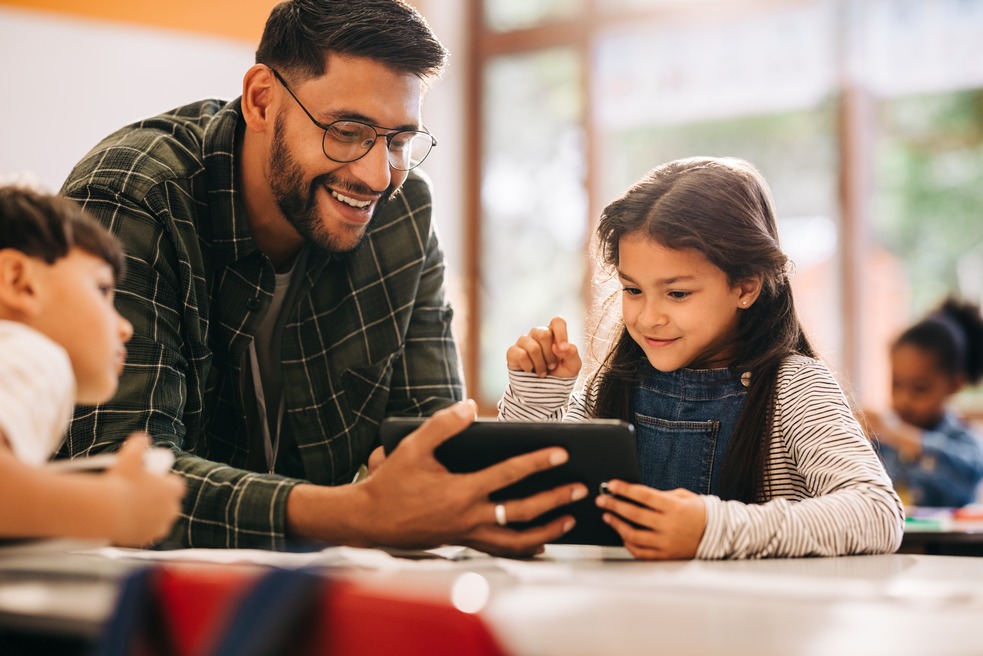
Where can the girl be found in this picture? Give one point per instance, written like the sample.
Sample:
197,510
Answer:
746,444
932,456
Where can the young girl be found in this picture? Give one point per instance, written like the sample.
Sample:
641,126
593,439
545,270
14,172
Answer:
933,457
746,444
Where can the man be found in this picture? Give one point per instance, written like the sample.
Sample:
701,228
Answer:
285,284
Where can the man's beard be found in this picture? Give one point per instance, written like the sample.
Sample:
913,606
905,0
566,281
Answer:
297,203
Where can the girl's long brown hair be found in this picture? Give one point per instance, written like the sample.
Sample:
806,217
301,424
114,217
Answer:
721,208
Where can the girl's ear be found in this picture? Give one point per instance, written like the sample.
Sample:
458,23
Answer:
748,291
19,297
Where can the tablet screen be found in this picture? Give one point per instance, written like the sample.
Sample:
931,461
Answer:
599,450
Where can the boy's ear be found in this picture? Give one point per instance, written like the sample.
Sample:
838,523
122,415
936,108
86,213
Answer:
19,297
748,291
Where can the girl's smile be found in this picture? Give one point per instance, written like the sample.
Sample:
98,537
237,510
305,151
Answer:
678,306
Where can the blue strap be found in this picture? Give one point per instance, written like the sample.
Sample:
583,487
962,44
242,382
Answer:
275,615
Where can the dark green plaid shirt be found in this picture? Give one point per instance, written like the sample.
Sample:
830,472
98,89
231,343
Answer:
369,335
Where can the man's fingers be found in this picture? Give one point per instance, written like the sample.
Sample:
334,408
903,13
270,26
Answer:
528,509
443,425
500,541
514,469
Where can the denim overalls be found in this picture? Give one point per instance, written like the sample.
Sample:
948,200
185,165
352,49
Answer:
684,420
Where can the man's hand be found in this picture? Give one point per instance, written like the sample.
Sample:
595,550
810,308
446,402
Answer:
410,500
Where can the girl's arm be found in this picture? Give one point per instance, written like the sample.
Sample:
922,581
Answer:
126,504
529,397
830,494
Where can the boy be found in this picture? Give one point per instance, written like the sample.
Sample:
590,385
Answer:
61,343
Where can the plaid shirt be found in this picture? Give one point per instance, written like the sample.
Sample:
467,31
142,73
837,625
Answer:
369,335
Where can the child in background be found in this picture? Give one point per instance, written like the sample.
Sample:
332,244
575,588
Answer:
61,343
933,457
747,447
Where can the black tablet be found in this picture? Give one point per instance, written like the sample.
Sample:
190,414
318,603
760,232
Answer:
600,450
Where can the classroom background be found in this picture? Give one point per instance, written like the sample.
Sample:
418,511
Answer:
865,117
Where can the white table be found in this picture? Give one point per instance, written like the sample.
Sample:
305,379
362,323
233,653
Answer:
572,602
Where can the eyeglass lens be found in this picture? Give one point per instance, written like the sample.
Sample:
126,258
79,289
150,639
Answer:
347,141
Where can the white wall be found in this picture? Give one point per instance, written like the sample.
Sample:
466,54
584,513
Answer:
68,82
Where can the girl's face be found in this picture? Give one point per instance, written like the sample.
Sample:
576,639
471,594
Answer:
677,306
919,390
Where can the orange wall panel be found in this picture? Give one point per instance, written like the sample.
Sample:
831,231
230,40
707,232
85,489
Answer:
235,19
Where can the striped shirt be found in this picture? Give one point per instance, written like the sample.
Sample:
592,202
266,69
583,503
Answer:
368,336
829,494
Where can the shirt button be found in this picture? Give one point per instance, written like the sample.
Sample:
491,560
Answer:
253,304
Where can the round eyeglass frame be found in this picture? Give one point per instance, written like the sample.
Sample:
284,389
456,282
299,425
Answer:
386,133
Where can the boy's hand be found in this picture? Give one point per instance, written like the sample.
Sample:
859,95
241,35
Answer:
149,501
545,351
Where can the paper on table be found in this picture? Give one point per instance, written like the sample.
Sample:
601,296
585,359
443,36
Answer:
374,559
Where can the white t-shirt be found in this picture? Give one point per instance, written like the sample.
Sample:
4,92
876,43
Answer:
37,392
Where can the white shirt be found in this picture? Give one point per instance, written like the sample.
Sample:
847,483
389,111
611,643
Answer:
37,392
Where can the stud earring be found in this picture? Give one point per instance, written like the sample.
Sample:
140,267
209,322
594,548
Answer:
743,302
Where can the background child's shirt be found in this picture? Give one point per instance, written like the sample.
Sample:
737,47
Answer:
37,392
948,471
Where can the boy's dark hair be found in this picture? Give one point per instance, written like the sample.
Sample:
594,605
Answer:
953,336
300,33
48,227
722,209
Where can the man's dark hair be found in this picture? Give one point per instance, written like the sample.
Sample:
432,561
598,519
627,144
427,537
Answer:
48,227
300,33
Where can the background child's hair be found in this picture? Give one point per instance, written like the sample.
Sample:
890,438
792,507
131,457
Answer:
48,227
722,209
953,336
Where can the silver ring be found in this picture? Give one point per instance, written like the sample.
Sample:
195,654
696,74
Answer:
500,517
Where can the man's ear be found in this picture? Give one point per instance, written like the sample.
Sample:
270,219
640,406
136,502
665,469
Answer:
748,291
258,98
19,284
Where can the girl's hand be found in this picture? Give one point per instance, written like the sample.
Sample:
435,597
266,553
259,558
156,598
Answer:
545,351
670,524
148,502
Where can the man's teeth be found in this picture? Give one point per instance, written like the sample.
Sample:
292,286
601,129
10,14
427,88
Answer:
351,201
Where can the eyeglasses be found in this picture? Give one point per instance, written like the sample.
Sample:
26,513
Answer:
346,141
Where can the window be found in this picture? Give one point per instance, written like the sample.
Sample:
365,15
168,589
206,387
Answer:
866,119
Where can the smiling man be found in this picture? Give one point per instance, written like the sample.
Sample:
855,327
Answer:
285,284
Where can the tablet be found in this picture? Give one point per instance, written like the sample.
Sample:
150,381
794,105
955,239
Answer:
599,449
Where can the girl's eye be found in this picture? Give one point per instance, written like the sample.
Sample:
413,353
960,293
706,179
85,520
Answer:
632,291
106,290
679,295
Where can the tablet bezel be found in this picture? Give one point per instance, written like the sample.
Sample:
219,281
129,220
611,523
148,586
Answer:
599,449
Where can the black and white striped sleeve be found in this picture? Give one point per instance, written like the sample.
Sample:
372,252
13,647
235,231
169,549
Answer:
531,398
831,495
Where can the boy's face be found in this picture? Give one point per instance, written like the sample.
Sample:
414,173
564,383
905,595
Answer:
77,311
